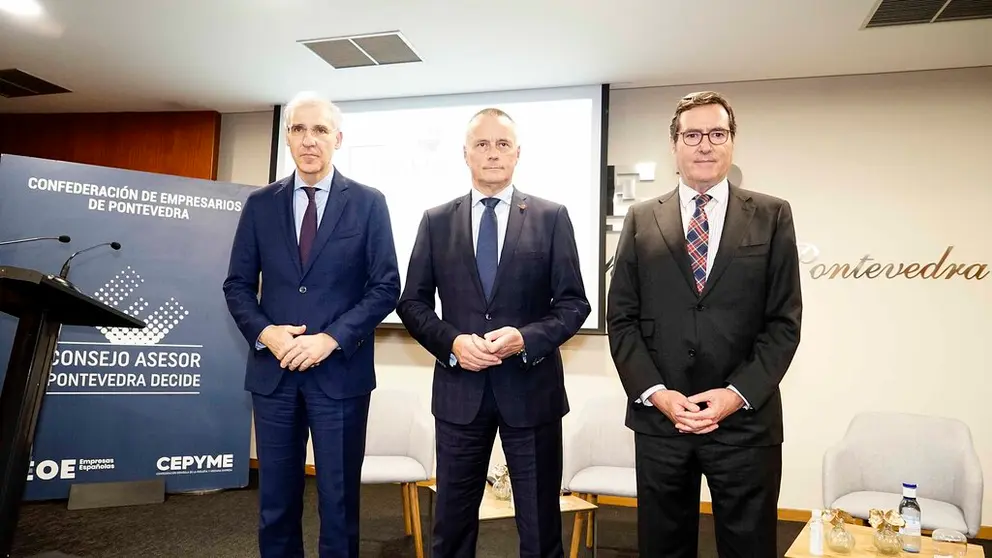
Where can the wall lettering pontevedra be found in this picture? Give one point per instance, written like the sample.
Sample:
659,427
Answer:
868,267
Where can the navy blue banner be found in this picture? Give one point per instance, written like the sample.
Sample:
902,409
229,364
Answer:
166,401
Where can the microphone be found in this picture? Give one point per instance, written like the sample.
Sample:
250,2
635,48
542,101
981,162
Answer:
63,239
65,267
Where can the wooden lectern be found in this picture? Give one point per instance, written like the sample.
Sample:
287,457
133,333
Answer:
42,304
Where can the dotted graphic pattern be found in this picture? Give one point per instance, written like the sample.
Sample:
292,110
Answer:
117,292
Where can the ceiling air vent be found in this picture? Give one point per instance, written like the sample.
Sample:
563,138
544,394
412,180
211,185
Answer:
358,51
911,12
958,10
16,83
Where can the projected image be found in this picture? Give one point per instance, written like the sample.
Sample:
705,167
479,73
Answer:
411,150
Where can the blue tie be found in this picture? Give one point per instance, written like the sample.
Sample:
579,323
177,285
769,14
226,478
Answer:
487,248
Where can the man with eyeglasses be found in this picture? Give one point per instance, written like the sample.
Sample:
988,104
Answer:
323,245
704,313
506,268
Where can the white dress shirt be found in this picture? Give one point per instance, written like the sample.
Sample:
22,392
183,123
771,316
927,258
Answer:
716,215
502,209
301,200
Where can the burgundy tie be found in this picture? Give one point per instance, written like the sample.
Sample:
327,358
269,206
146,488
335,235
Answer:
308,231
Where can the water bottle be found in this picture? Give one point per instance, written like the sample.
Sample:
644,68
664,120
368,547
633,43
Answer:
816,534
909,509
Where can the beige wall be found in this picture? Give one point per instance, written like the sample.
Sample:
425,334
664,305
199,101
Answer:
245,143
892,166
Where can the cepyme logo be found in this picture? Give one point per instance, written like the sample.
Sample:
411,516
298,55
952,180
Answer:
118,291
192,464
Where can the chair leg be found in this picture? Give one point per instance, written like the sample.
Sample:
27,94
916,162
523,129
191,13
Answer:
418,536
576,533
595,500
405,494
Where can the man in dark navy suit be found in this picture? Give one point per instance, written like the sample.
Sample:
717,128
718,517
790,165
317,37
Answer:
324,247
506,268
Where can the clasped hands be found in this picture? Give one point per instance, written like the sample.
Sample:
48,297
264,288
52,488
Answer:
295,350
686,413
475,353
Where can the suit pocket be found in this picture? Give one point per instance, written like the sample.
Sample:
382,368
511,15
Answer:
530,256
753,250
647,329
341,234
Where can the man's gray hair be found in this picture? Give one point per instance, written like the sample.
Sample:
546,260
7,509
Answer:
313,98
498,113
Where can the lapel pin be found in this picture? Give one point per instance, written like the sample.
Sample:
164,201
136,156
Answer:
522,206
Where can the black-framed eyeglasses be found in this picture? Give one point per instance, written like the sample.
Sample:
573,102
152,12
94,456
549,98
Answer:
716,137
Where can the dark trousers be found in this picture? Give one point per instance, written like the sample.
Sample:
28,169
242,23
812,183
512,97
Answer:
283,420
533,456
744,485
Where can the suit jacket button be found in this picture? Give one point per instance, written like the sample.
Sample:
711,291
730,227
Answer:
303,290
489,317
699,307
692,352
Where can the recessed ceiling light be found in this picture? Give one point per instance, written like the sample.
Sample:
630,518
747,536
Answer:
30,8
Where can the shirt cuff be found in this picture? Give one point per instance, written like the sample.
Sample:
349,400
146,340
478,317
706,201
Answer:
648,392
747,406
452,361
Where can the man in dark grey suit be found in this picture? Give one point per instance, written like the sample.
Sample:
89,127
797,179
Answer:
704,320
506,268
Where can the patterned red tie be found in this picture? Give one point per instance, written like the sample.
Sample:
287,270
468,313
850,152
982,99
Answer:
697,241
308,230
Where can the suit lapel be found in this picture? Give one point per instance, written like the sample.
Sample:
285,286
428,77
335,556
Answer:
287,193
514,224
337,200
464,247
669,217
740,210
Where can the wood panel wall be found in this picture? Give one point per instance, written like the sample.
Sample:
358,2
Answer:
176,143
